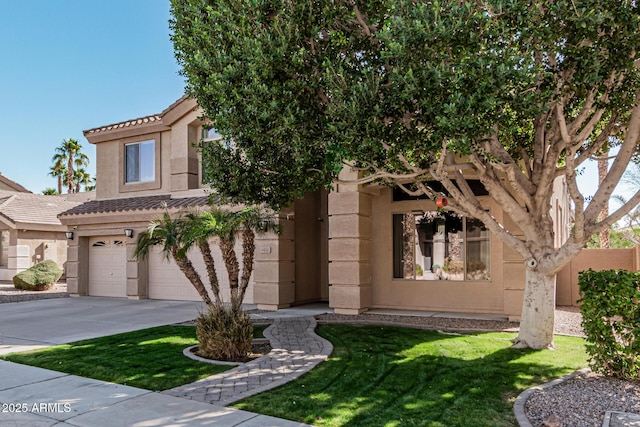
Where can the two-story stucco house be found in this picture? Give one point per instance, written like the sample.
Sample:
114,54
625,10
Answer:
355,247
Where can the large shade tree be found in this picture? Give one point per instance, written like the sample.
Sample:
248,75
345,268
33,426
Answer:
514,93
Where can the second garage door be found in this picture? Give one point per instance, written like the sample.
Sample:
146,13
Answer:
166,281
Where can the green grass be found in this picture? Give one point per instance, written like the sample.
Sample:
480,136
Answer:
391,376
377,375
258,330
150,358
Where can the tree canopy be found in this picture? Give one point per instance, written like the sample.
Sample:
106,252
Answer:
513,93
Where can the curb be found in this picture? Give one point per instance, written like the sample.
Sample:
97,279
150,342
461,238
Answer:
521,400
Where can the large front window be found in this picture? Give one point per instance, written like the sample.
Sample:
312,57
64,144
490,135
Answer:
4,248
440,246
140,162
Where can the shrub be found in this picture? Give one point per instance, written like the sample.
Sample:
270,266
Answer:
611,321
224,333
40,277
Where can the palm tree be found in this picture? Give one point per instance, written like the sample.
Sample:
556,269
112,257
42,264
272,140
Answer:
82,177
49,191
199,228
224,332
167,232
58,169
68,151
244,223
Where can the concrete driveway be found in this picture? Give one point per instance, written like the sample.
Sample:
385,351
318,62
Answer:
32,396
35,324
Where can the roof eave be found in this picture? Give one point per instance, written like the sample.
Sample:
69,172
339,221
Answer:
124,132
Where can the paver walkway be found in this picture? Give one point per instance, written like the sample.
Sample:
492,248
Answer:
296,350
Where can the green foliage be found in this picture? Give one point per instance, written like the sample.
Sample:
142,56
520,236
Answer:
150,358
40,277
617,239
419,270
49,191
224,333
611,319
301,86
393,376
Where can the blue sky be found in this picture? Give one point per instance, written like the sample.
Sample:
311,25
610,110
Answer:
71,65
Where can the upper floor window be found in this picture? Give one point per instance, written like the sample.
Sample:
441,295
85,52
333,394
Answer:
4,248
440,246
210,134
140,162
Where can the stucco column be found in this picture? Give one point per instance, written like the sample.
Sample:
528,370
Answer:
350,252
77,266
137,273
274,266
513,275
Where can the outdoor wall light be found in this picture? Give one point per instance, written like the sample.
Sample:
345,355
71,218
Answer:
128,232
69,235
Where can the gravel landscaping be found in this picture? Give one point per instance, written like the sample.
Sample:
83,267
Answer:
8,293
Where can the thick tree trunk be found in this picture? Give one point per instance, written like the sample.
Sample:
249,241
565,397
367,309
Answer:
538,311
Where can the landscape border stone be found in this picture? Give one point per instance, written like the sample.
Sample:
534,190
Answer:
521,400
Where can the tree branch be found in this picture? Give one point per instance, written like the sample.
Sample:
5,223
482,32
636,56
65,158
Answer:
627,150
616,216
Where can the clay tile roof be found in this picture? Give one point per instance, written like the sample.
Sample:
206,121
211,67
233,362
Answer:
136,204
29,208
129,123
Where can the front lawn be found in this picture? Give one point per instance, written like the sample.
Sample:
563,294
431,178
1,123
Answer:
377,375
392,376
150,358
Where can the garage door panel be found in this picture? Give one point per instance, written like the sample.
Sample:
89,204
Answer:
107,267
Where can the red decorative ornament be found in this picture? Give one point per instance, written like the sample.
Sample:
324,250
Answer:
441,202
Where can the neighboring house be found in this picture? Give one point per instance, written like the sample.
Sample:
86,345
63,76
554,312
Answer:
355,247
30,231
9,185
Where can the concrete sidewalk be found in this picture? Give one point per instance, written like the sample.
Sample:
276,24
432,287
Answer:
34,397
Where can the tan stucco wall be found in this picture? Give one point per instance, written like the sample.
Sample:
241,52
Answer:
27,248
44,245
567,291
176,159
